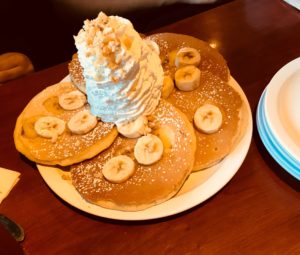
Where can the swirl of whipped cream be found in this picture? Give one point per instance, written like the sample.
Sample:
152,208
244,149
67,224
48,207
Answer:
123,73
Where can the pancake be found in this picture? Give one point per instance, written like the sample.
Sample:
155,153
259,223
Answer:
76,73
211,148
211,59
214,89
69,148
149,185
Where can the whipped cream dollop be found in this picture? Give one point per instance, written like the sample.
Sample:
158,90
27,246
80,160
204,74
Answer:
123,74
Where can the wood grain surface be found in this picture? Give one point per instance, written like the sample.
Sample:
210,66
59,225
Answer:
257,212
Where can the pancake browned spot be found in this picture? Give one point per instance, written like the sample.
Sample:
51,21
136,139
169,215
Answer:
212,147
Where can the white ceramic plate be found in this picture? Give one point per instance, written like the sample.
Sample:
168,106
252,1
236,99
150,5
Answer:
199,187
282,107
270,142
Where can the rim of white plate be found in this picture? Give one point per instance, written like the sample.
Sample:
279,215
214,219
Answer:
278,100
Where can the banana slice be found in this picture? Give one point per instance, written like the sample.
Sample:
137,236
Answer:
134,129
208,118
72,100
148,149
49,127
168,86
82,122
187,78
187,56
118,169
153,45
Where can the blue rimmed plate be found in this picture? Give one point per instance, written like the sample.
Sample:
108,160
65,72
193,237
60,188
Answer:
276,150
282,108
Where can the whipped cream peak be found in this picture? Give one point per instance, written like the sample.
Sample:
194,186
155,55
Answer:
107,42
123,73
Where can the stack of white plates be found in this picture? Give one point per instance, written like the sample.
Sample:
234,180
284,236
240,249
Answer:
278,117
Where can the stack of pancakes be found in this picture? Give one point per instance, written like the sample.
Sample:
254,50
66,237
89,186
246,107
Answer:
185,148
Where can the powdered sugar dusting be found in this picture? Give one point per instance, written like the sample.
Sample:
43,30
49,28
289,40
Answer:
159,179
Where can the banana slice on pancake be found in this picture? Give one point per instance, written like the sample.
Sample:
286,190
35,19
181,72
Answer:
148,149
49,127
208,118
72,100
135,128
168,86
48,134
187,56
82,122
187,78
118,169
132,188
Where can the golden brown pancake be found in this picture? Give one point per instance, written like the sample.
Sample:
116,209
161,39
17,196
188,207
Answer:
214,89
69,148
149,185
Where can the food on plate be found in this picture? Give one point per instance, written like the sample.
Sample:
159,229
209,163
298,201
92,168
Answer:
150,171
187,56
72,100
208,118
76,73
134,128
170,44
138,117
203,85
47,133
187,78
168,86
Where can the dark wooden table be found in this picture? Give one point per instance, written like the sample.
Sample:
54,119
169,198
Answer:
257,212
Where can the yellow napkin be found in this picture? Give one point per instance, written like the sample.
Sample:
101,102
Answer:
8,180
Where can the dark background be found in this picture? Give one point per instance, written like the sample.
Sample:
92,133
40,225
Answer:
44,31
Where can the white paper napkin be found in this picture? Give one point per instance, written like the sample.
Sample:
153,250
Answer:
295,3
8,179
